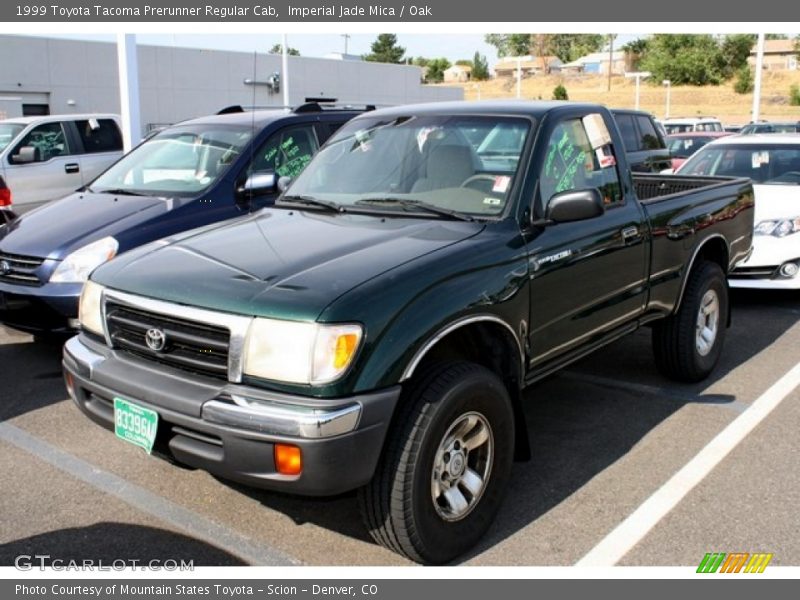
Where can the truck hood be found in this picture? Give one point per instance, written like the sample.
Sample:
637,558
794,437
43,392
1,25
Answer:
776,202
58,228
279,263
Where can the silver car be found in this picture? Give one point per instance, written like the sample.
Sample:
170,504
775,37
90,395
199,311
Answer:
44,158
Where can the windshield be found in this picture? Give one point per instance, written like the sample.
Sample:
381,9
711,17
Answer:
770,163
683,147
8,131
180,161
455,163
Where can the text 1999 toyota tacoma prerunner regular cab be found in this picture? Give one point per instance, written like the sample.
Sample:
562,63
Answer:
374,329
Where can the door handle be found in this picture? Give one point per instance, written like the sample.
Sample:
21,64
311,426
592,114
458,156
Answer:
72,167
630,233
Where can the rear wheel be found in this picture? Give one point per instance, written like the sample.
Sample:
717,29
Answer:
688,344
445,467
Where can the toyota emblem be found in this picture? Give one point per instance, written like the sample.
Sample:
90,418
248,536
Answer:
155,339
5,268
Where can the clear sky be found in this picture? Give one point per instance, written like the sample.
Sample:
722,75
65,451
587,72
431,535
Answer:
451,46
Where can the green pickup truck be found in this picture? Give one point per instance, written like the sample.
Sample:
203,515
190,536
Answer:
376,328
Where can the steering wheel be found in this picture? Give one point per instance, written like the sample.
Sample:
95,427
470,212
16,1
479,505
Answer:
478,177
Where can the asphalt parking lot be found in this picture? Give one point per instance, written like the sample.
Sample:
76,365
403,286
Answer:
607,434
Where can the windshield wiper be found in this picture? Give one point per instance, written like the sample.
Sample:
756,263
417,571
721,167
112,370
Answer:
417,204
116,192
313,202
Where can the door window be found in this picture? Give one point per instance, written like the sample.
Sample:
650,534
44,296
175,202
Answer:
572,163
648,139
628,131
49,141
99,135
286,152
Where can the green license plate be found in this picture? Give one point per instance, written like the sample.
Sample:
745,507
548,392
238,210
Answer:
135,424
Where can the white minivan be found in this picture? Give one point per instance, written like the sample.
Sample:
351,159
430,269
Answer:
44,158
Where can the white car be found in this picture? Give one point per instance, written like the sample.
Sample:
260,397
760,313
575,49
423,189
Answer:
691,124
44,158
773,163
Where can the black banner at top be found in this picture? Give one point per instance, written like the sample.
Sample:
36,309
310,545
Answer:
430,11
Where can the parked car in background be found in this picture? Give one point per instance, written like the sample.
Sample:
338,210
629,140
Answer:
732,128
690,124
682,145
189,175
376,327
6,214
771,127
645,147
773,163
44,158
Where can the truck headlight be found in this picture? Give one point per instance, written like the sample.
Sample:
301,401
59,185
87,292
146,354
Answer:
297,352
90,312
778,227
77,267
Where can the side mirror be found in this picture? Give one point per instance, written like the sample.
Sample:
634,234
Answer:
575,205
26,154
261,183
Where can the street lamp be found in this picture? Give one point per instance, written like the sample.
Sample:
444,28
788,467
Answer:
668,85
639,75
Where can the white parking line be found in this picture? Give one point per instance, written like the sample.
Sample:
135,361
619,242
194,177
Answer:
196,525
639,523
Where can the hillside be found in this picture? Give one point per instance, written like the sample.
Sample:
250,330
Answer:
685,101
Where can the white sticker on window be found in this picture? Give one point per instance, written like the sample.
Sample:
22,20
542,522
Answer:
501,183
596,130
492,201
760,158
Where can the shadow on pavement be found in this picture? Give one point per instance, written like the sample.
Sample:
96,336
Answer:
109,542
31,375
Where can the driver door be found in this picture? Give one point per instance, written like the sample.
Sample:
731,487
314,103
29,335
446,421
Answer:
587,277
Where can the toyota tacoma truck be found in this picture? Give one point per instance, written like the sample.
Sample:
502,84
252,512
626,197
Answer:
376,327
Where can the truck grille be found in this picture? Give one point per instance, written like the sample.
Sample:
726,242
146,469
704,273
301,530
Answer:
761,272
18,269
196,347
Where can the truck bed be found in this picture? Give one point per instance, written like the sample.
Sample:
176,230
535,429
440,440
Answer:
654,187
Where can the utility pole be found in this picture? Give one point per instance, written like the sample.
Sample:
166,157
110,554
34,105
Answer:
668,84
610,58
346,37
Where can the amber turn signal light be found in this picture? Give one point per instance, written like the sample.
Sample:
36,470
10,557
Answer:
288,459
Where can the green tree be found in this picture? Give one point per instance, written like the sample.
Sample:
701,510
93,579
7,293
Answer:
560,93
480,67
436,69
744,80
794,95
278,49
775,36
510,44
420,61
734,52
386,50
635,51
571,46
684,59
464,62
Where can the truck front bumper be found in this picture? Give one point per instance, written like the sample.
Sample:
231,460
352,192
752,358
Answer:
230,430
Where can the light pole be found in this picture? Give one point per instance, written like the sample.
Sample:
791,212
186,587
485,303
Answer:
639,75
757,82
668,85
519,73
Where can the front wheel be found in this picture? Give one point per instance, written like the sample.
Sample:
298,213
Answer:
688,344
441,478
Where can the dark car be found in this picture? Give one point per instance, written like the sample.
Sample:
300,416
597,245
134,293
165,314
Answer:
771,127
189,175
645,147
682,145
377,326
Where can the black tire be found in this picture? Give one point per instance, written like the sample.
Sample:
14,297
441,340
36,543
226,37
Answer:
675,341
398,504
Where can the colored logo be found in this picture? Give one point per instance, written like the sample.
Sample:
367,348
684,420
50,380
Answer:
736,562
